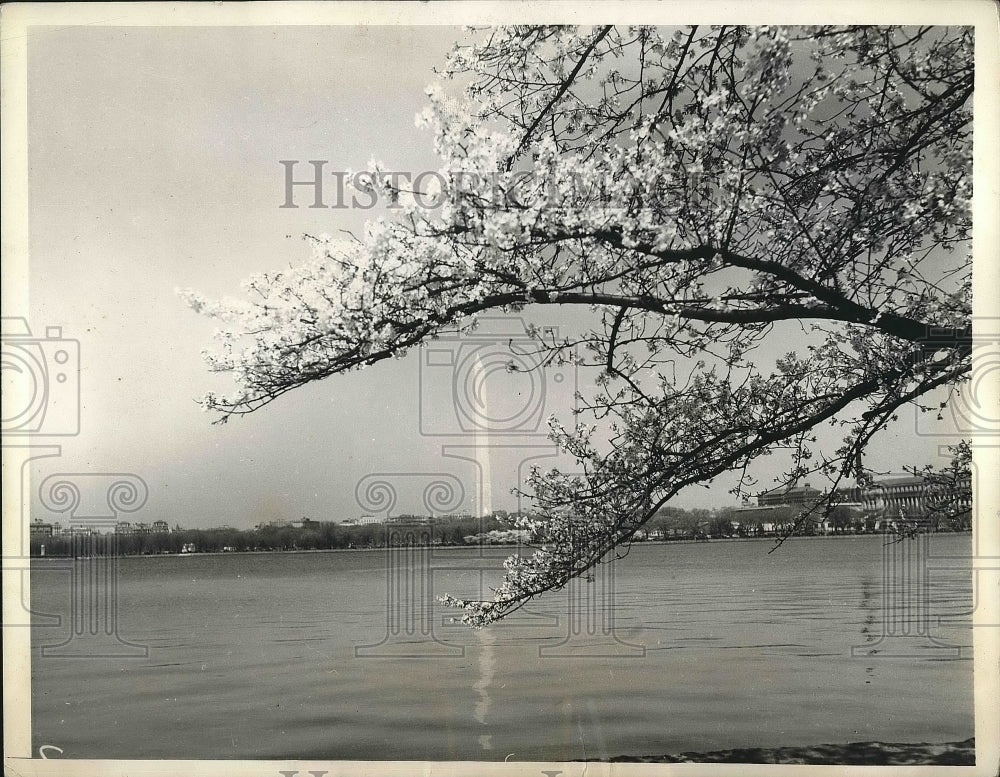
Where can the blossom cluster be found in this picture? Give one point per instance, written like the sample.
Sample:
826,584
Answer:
694,188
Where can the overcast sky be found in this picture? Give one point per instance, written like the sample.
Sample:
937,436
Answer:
154,164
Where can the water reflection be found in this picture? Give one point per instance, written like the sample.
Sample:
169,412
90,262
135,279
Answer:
257,657
487,664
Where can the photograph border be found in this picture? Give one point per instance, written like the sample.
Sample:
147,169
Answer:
17,19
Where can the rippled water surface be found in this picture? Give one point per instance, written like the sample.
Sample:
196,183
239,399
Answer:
342,655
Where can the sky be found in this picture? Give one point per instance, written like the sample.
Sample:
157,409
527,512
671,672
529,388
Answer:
154,159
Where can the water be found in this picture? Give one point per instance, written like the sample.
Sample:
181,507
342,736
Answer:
715,645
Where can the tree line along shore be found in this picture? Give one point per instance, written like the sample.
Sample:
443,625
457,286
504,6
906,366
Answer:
670,524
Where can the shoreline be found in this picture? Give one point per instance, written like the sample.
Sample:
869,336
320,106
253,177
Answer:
474,547
870,753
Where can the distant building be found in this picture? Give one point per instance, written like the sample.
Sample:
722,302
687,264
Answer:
410,520
282,523
889,496
371,520
275,523
796,496
160,527
40,530
124,527
908,498
851,495
751,512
